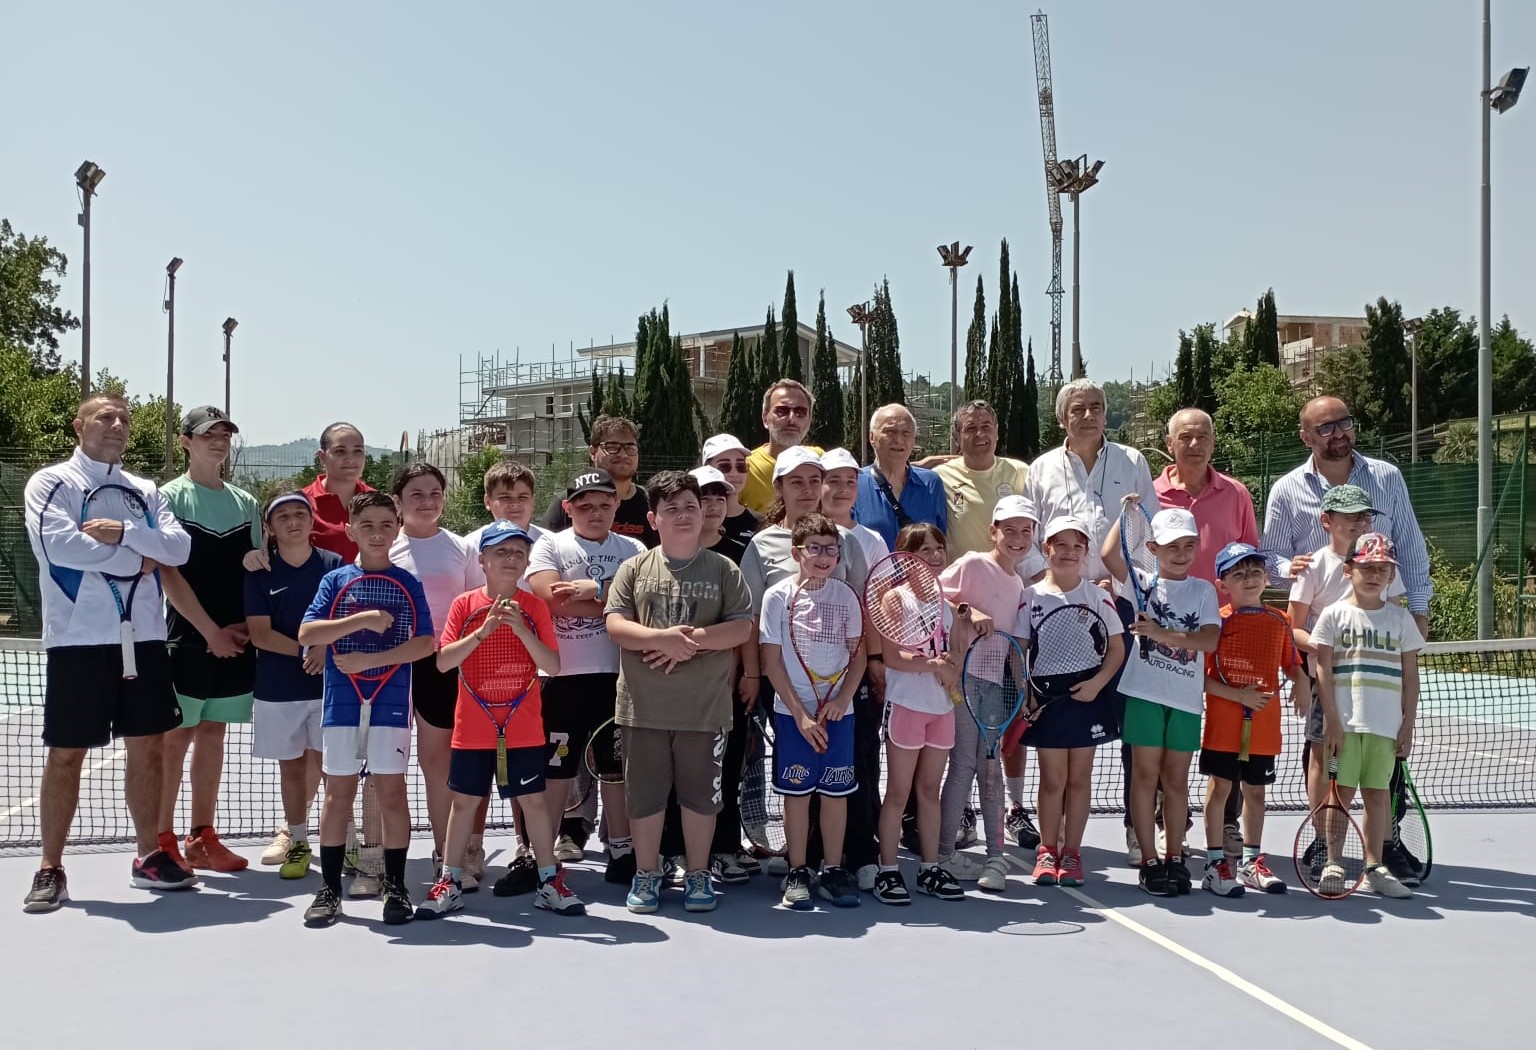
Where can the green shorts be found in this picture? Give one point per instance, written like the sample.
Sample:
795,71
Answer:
1147,724
230,709
1367,760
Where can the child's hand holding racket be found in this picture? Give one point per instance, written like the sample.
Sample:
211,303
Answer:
834,710
379,621
1405,739
814,732
357,663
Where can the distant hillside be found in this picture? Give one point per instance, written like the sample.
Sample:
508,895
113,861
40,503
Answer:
279,461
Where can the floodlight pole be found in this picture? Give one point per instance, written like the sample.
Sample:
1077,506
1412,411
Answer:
953,258
170,365
862,314
87,177
230,324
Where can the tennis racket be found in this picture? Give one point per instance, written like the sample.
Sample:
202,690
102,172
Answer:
604,753
762,809
364,593
1255,644
1330,850
905,603
994,677
120,503
1141,563
1410,825
498,673
820,621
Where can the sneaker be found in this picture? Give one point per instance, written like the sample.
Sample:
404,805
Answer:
620,869
1069,870
1403,865
207,852
1021,827
727,868
1255,875
349,858
698,891
444,896
1132,848
1220,880
170,845
1153,878
521,877
963,866
1313,856
797,889
749,863
1386,884
644,893
296,864
673,869
1330,882
553,895
49,891
277,850
398,909
891,888
909,836
839,887
568,850
437,865
159,871
369,880
994,875
1179,876
966,836
474,866
865,877
1045,867
324,910
776,866
1232,840
936,881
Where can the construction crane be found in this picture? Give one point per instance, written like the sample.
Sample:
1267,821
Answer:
1053,379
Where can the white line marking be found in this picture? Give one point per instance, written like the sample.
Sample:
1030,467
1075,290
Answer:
29,803
1243,985
17,712
1479,754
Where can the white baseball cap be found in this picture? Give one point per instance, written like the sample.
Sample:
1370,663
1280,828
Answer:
1014,507
839,459
707,476
1173,524
720,444
1065,523
793,457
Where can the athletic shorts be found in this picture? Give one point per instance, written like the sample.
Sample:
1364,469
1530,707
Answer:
212,688
285,729
799,770
434,693
914,730
1367,761
1258,770
1149,724
389,750
87,701
574,706
660,761
1067,724
473,772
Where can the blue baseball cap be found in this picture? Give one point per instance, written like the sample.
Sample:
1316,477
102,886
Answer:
1232,554
499,531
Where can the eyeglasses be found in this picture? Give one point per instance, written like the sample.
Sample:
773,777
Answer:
786,411
619,448
731,466
1335,426
822,550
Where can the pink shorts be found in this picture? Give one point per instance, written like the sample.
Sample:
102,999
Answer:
914,730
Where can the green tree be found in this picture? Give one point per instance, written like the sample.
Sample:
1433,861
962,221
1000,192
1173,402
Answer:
616,398
1251,404
464,504
854,423
827,428
740,405
664,400
885,378
29,320
1446,346
1162,402
1265,326
1346,375
1204,381
1386,355
976,348
1117,403
790,364
1024,427
769,368
36,405
1184,371
1514,370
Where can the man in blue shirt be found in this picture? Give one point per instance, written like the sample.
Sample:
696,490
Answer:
892,492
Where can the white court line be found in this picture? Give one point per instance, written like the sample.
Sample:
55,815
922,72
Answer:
1248,988
1479,754
16,712
29,803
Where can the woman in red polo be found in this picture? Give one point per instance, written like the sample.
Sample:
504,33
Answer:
341,459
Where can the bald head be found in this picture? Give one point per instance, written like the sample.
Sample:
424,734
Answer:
1190,441
1322,408
1191,417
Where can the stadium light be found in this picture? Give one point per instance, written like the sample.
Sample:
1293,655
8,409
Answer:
1075,178
170,364
862,314
88,176
953,257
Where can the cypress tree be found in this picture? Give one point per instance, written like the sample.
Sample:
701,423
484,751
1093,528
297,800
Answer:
616,399
790,364
976,348
827,430
885,378
997,390
1028,443
739,407
768,365
1184,370
1204,356
1267,334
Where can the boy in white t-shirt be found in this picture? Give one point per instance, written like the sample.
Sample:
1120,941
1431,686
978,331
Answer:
1368,686
1164,687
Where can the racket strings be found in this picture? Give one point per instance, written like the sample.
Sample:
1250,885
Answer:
365,594
904,600
818,631
1136,533
993,676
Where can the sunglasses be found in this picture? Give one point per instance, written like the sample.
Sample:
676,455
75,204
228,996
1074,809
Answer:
788,411
1335,426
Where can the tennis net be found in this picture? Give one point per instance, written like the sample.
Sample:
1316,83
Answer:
1475,748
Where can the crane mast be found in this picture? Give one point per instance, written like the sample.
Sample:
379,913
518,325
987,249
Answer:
1052,195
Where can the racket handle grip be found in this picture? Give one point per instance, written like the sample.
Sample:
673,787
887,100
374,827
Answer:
363,717
125,638
502,778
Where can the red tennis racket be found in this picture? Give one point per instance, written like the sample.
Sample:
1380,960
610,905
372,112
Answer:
368,592
1256,645
498,674
1330,850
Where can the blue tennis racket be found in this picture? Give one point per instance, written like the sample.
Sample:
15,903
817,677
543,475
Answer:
1140,562
121,503
993,678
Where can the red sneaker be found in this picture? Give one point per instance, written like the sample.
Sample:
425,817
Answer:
204,850
1045,867
171,846
1069,872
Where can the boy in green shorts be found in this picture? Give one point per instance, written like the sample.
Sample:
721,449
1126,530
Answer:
1368,686
1164,687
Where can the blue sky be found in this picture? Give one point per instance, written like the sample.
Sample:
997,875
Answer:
376,189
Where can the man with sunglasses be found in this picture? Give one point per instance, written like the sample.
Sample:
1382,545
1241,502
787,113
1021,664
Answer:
787,407
615,448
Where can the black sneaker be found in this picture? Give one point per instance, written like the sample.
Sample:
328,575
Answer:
49,890
1314,856
620,870
1154,879
909,837
966,836
1021,827
325,909
936,882
521,878
159,871
1404,866
398,909
839,887
891,888
1179,877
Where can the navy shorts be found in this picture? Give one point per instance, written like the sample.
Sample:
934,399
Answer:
575,706
474,772
87,701
1068,724
1257,770
799,770
199,675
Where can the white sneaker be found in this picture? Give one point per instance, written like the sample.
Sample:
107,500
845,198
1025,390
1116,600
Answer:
474,866
567,851
1132,848
368,881
1386,884
1220,881
277,852
1255,874
445,896
963,866
776,866
994,874
865,877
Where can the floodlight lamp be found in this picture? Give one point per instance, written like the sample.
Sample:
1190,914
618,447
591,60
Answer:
1503,97
172,266
230,324
88,176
